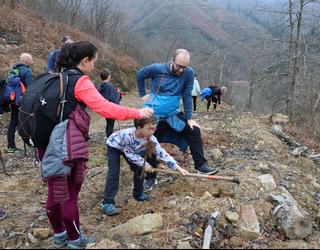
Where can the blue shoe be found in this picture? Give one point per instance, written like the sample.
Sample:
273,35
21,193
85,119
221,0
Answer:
59,242
109,209
142,197
206,169
149,184
82,242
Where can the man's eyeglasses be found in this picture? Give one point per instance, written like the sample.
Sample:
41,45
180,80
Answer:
178,66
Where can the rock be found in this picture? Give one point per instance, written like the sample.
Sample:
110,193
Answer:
184,245
290,244
235,241
259,145
216,154
32,238
232,216
248,223
313,181
42,233
140,225
299,151
280,119
171,204
106,244
267,182
206,196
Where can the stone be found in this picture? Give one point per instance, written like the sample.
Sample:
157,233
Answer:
259,145
42,233
32,238
106,244
206,196
248,223
140,225
232,216
267,182
184,245
216,154
280,119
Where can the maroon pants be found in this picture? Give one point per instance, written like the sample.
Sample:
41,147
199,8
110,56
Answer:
62,203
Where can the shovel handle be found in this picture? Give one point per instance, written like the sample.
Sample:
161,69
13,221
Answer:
235,179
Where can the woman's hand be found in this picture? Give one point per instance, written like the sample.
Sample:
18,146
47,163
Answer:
146,98
146,112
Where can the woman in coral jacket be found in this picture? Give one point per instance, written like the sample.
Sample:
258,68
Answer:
64,183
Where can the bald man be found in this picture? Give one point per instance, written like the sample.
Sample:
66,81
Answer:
25,74
171,82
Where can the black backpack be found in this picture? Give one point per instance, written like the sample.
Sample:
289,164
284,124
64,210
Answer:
42,107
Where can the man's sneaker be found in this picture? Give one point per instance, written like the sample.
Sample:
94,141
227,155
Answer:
148,184
3,214
59,242
109,209
82,242
142,197
206,169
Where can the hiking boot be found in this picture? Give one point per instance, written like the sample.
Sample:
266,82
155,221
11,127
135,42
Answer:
109,209
3,214
148,184
206,169
142,197
59,242
82,242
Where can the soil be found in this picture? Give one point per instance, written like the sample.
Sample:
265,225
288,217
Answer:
249,149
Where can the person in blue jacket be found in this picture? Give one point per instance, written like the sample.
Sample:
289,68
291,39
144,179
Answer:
53,55
171,82
109,92
25,74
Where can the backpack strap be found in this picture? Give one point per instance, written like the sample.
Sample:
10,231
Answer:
64,79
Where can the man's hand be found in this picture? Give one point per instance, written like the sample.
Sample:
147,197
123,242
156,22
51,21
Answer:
182,171
146,98
146,112
148,168
193,123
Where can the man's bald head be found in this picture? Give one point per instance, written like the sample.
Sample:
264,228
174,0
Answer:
26,58
181,60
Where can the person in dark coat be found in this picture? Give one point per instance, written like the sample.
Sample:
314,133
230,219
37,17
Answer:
215,96
109,92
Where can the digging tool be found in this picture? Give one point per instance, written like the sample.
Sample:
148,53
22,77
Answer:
235,179
208,232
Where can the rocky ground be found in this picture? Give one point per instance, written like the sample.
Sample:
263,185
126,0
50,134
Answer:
241,144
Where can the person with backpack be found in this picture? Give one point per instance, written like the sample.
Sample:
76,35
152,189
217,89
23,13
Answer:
19,79
109,92
64,158
195,92
171,82
140,149
53,55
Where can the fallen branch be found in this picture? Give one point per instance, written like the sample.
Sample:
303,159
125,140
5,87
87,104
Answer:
277,129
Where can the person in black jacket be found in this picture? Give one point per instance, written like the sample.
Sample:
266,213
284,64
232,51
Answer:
109,92
215,96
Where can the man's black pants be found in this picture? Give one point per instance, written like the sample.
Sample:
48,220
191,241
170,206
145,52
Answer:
12,126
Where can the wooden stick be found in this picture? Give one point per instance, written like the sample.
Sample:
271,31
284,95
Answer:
235,179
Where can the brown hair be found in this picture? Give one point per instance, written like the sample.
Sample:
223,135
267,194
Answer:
104,74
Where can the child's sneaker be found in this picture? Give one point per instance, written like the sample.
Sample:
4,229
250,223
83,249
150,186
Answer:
142,197
59,242
149,184
109,209
82,242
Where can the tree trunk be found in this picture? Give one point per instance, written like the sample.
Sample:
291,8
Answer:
292,219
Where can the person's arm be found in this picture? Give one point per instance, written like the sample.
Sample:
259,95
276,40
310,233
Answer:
51,61
86,92
198,88
163,155
187,96
28,78
142,75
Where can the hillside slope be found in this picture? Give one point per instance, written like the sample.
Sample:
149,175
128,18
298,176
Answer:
248,149
24,31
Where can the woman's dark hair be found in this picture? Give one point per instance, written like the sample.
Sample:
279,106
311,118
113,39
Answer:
104,74
140,123
71,54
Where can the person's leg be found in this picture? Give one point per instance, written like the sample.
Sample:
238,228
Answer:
70,209
112,181
208,102
12,126
215,101
194,103
110,127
